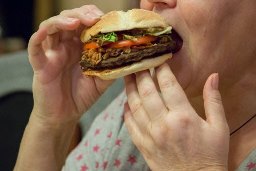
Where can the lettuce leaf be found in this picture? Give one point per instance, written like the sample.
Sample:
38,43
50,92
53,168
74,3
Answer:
108,37
157,31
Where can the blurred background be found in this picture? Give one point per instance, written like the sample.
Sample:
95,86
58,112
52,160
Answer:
18,21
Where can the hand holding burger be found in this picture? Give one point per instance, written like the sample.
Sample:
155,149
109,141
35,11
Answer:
166,128
61,92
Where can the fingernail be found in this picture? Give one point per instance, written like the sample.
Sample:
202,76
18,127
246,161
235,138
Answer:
215,81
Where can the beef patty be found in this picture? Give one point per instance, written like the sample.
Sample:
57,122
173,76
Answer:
114,58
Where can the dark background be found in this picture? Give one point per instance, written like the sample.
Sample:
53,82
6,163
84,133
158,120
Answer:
16,18
15,109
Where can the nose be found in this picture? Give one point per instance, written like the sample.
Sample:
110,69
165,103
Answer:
149,4
145,4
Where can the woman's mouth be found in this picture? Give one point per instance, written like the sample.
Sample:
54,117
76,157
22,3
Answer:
178,40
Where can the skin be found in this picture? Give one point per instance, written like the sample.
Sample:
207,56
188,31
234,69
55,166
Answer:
173,132
176,138
168,130
61,92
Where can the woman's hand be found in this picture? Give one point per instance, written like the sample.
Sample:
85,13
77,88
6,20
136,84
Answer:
168,131
61,92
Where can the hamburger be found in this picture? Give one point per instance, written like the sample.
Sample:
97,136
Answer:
121,43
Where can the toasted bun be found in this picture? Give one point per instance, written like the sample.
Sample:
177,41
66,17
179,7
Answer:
120,21
145,64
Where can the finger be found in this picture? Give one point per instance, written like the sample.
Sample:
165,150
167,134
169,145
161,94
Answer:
214,110
131,123
135,103
55,26
88,14
152,102
173,94
35,49
143,142
58,23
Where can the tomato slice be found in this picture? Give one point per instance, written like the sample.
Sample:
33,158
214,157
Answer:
122,43
128,43
145,40
91,45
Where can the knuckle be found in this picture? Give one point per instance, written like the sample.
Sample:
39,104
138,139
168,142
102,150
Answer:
31,41
64,12
166,82
215,98
70,13
147,91
75,12
41,24
92,6
44,23
49,21
159,134
184,122
136,105
89,7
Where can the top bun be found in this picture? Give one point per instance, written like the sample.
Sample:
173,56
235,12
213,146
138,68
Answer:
120,21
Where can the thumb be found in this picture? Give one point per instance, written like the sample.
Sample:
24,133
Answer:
214,110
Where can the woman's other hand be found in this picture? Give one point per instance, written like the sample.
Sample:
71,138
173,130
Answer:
168,131
61,92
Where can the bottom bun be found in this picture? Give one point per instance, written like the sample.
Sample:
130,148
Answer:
110,74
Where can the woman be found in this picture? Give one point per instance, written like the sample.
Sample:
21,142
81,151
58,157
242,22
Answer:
217,57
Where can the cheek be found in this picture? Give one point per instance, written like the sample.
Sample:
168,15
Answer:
195,17
193,13
201,34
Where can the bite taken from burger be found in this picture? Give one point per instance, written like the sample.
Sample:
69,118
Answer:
121,43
